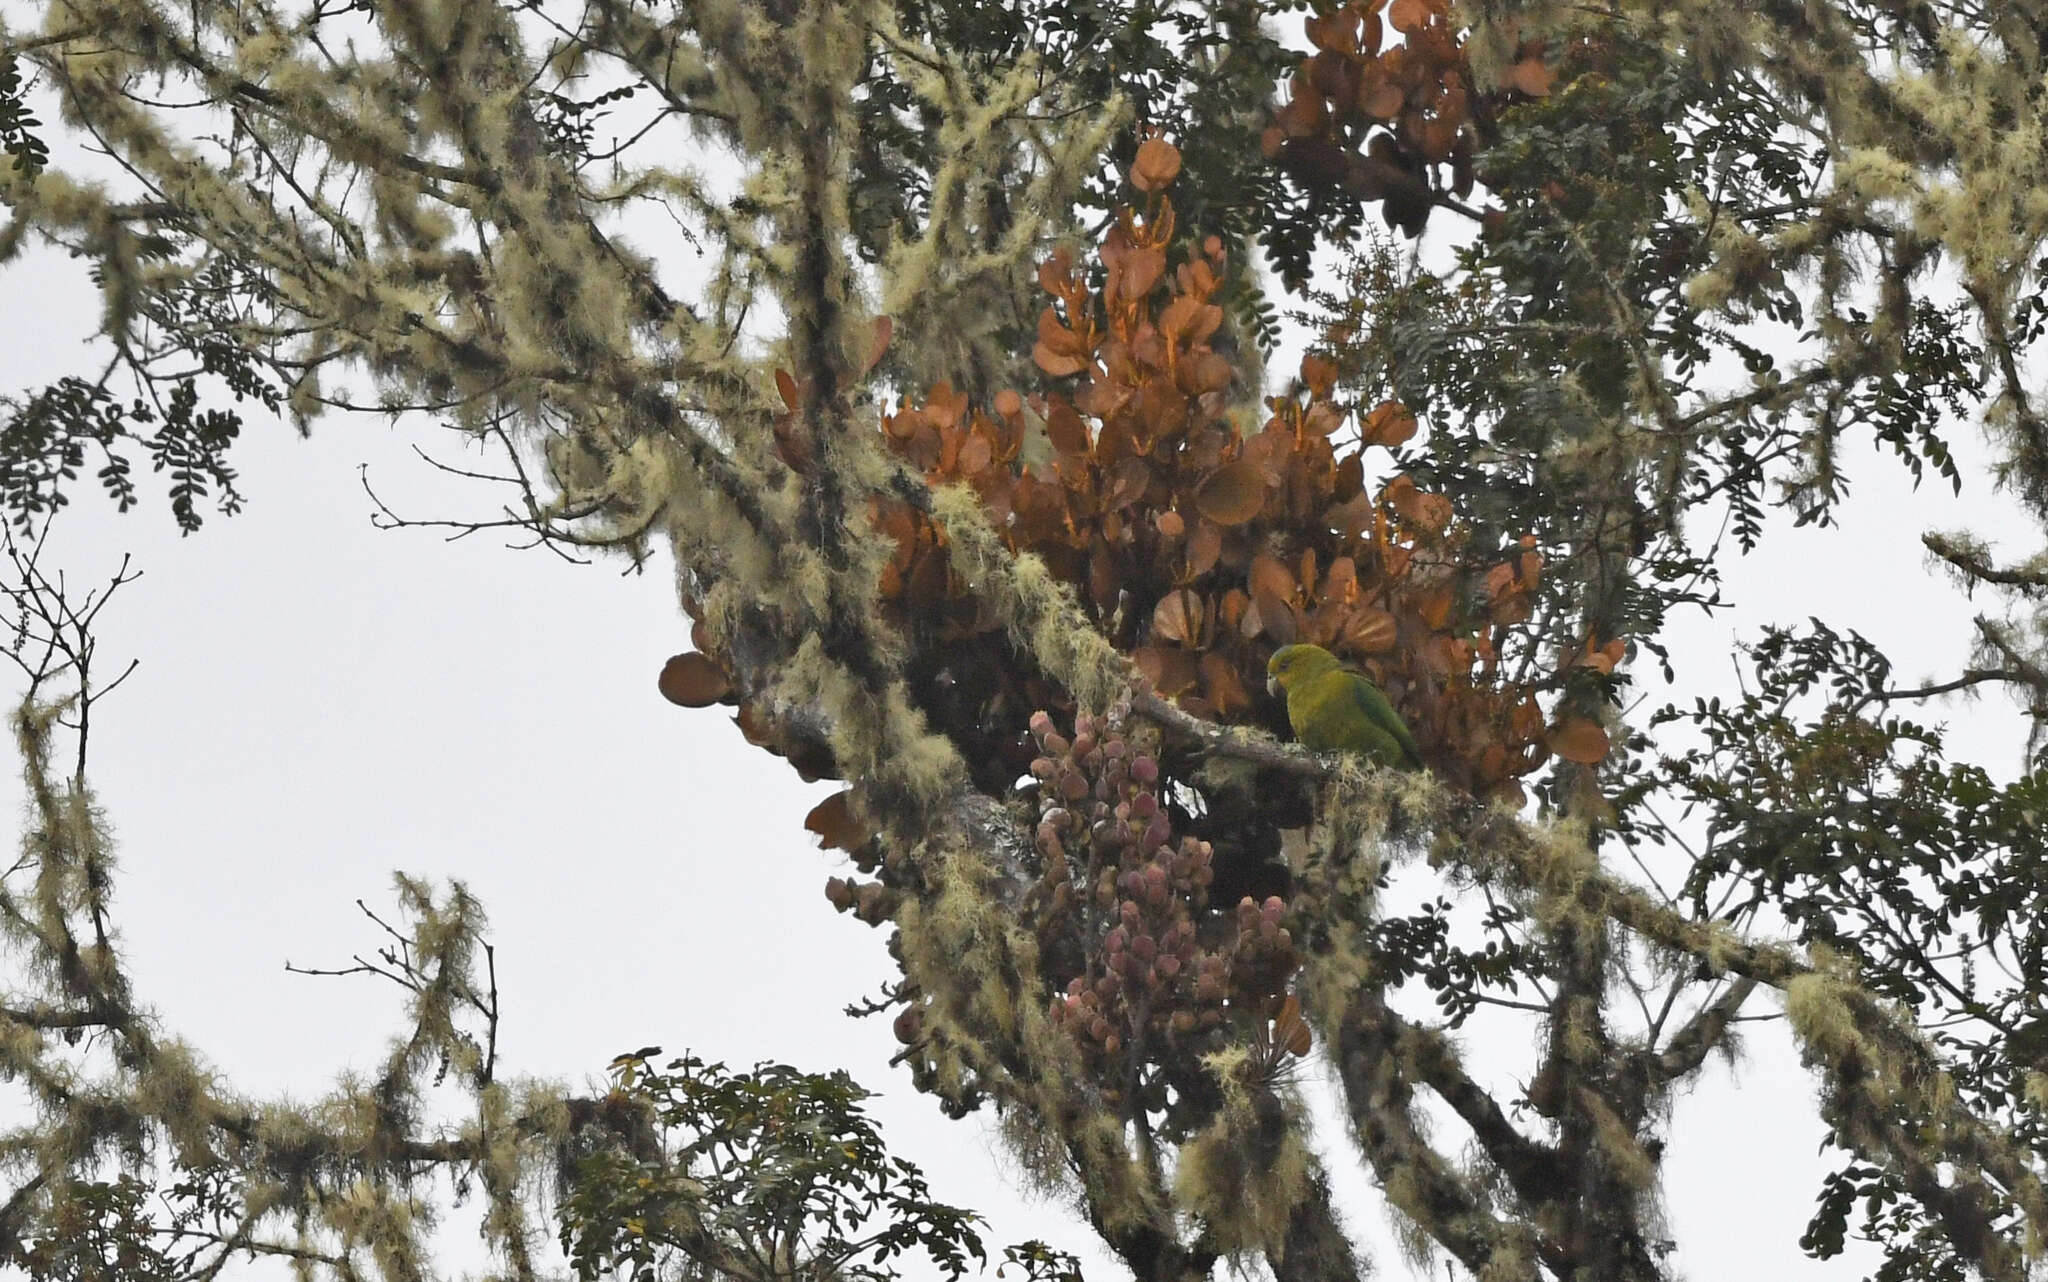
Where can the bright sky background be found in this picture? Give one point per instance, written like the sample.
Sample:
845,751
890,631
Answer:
319,703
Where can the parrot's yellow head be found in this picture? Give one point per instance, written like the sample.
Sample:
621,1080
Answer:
1292,663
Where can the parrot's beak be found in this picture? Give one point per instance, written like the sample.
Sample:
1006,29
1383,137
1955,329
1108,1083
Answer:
1273,686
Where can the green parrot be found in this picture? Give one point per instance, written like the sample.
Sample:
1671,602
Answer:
1333,708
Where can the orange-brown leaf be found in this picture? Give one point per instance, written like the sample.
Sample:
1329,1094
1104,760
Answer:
1055,334
1322,418
1290,1030
1142,269
1352,517
1222,685
833,821
879,344
1430,513
1055,272
1270,574
1434,607
1189,319
1057,364
693,681
1603,659
1205,545
1178,618
1390,423
1320,373
1232,494
1157,164
1064,428
1532,76
1382,99
1408,16
1171,671
1299,1040
944,405
1209,372
1370,630
1273,616
1340,581
1579,739
976,453
1133,476
787,387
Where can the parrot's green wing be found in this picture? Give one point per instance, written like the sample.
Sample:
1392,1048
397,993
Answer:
1381,714
1342,711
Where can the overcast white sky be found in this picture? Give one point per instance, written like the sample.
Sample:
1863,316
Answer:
319,703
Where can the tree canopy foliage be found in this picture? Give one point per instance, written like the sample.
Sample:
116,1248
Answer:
982,501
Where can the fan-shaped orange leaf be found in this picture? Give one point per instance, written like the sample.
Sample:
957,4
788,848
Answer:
693,681
1141,271
879,344
833,821
1270,574
1408,16
1579,739
1232,494
1320,373
1381,99
1178,617
1057,364
1532,77
1370,630
1157,164
1275,618
1222,684
1208,372
1170,671
1205,545
1389,424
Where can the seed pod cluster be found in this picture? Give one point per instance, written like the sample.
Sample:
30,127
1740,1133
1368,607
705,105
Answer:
1156,966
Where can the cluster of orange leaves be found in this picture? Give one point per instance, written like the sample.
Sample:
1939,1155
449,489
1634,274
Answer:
1199,548
1196,546
1381,121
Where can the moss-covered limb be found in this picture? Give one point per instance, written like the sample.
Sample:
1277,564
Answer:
1004,187
1687,1049
1876,1099
254,231
1608,1177
1940,141
1534,1170
1869,1056
1037,610
1489,843
1451,1209
1316,1247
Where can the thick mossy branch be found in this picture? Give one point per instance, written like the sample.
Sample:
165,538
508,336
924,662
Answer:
1873,1060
